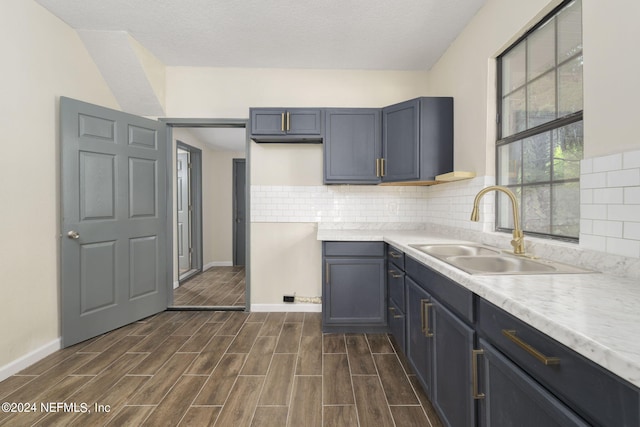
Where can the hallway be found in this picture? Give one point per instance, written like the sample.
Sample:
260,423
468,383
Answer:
217,286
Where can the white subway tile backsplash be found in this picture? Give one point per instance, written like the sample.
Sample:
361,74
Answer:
631,159
448,204
608,195
607,228
593,180
624,247
586,196
623,212
592,242
594,211
632,230
632,195
610,204
607,163
623,178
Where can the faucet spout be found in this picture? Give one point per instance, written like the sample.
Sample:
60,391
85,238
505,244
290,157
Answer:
518,235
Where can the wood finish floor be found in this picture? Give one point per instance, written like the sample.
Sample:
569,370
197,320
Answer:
217,286
223,369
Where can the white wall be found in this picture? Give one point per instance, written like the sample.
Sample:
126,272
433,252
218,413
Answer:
42,59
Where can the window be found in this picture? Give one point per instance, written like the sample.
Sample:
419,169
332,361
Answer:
539,145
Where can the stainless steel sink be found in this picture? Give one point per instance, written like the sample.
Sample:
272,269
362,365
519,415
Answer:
456,250
479,259
500,264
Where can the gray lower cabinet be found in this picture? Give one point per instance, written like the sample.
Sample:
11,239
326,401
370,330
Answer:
396,296
512,398
353,287
352,146
282,124
417,139
440,342
419,334
479,365
578,385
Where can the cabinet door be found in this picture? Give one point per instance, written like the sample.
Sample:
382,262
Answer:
352,146
268,121
512,398
354,291
453,343
302,121
401,141
419,333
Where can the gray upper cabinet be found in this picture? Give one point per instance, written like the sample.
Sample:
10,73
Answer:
282,125
417,139
410,141
352,146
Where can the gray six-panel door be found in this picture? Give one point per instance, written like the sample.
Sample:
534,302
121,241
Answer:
114,219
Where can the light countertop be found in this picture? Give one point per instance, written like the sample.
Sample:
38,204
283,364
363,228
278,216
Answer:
595,314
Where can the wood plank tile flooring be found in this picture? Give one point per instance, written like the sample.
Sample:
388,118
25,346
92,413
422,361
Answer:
222,369
217,286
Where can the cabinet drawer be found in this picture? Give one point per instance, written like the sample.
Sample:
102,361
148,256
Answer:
595,393
395,284
395,255
396,325
354,249
448,292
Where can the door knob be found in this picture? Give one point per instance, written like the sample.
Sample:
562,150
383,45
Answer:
73,235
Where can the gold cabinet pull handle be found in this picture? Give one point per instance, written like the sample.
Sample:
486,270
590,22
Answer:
395,316
382,166
378,168
288,121
425,304
547,360
326,270
282,122
395,274
393,254
474,373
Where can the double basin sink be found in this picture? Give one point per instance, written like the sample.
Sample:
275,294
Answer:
480,259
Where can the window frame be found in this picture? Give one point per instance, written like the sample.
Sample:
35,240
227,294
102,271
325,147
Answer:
555,124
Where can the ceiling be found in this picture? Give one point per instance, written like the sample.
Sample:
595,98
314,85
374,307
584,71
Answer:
312,34
327,34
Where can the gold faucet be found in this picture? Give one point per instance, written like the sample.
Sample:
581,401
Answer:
518,235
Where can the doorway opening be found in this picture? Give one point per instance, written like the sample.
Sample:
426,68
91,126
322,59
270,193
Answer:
210,263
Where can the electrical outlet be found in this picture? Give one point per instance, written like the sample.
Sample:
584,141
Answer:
288,298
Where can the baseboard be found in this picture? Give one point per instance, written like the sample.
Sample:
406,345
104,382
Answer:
218,264
29,359
307,308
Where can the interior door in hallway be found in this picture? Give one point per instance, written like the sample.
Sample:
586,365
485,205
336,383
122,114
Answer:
114,219
184,212
239,211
